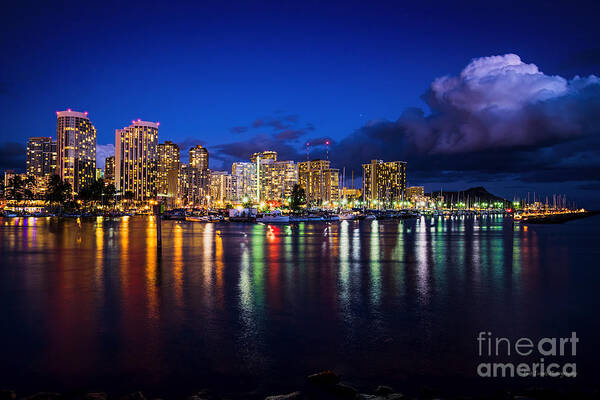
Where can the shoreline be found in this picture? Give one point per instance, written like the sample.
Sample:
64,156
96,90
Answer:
320,386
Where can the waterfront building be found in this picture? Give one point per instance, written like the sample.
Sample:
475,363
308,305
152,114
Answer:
168,171
222,189
245,181
136,159
384,183
276,179
319,181
198,157
75,149
415,192
186,195
109,170
9,174
350,194
194,179
41,162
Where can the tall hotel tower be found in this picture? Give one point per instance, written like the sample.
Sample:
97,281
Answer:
198,158
41,162
384,183
75,149
136,160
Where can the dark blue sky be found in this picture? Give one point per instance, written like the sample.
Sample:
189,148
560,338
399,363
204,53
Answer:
275,74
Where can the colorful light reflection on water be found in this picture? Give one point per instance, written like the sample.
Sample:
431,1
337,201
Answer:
91,303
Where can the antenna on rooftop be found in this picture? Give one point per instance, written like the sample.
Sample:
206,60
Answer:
307,151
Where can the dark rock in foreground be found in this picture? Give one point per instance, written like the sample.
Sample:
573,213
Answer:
289,396
7,395
325,378
95,396
383,390
344,391
134,396
44,396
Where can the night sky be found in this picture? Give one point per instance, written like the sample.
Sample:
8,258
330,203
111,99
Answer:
412,82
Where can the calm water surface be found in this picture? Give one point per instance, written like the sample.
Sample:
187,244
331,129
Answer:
252,309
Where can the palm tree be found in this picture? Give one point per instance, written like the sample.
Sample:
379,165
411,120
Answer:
16,187
108,193
59,191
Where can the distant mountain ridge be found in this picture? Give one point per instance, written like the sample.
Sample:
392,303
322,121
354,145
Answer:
474,195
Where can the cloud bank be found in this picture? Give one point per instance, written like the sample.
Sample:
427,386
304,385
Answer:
499,116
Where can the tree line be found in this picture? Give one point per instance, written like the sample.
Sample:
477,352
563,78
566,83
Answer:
60,192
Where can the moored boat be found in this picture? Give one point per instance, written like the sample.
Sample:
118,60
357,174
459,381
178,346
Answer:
273,217
197,218
345,216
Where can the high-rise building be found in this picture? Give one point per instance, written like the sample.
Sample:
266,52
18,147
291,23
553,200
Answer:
194,179
320,182
109,170
245,181
264,155
198,157
41,162
136,159
276,179
222,187
193,186
168,169
384,183
350,194
75,149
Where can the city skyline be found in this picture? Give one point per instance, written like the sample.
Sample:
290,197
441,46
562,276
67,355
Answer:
152,170
356,76
299,200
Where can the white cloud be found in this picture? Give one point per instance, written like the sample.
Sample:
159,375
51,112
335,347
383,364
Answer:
500,83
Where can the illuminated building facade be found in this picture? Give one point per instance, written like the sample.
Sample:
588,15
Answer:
109,170
222,188
414,192
8,175
276,179
187,196
350,194
245,181
194,179
263,155
319,181
198,157
136,160
75,149
168,170
193,186
41,162
384,183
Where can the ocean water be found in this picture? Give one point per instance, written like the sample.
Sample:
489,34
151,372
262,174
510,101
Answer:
251,309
